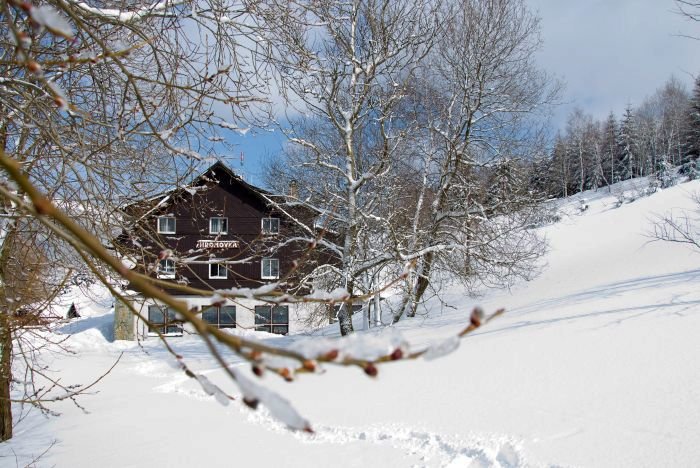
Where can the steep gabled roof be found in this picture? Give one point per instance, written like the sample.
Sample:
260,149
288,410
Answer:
220,167
212,173
265,196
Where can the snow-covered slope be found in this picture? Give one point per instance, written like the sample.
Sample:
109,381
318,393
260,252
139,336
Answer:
596,363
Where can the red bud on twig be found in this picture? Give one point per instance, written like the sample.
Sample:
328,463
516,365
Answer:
60,102
286,375
251,403
309,365
33,67
477,315
371,369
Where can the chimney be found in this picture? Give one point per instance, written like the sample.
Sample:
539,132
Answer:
293,188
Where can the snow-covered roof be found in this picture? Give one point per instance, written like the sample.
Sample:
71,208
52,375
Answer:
211,174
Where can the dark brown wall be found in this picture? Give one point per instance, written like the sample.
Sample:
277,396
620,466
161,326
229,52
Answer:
244,210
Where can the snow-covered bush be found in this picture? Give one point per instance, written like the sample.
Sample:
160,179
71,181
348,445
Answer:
583,205
664,177
544,215
690,169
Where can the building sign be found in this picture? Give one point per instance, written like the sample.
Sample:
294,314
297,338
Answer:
214,244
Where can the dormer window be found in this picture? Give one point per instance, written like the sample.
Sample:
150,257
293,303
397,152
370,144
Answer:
166,225
218,225
270,225
166,269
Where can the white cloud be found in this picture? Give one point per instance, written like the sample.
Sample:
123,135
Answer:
613,52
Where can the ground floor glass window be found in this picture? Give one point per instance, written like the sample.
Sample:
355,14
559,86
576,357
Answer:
272,319
163,320
220,317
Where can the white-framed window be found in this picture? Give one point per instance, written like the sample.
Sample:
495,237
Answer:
272,319
270,226
166,224
217,271
270,268
220,317
166,269
218,225
163,320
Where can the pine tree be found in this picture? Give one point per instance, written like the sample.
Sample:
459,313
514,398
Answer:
692,125
627,145
610,150
72,312
690,169
561,168
542,178
506,187
664,174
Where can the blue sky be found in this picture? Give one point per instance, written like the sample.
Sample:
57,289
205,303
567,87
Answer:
607,52
256,146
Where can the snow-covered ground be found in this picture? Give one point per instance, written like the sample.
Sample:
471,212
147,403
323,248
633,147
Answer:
596,363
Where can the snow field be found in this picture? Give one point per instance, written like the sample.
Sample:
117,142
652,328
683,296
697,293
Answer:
595,363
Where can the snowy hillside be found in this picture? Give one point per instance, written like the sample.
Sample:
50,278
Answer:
596,363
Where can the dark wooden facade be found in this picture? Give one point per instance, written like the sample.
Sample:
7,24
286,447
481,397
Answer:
218,193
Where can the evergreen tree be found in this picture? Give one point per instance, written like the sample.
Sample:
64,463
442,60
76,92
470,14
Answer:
561,169
691,169
507,187
692,125
609,149
72,312
627,145
541,176
663,176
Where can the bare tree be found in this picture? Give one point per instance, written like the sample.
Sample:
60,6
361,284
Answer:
99,105
562,171
349,63
689,8
674,100
679,227
405,155
34,270
103,105
661,127
480,87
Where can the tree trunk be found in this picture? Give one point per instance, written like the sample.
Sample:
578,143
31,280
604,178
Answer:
409,305
345,315
422,283
345,319
404,306
377,310
5,381
5,338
